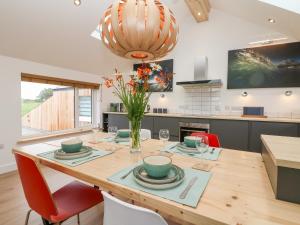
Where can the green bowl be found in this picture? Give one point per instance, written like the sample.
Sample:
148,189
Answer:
189,141
72,145
123,133
157,166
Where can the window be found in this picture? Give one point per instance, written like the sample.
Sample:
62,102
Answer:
53,106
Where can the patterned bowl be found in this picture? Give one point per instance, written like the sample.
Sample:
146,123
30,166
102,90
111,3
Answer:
72,145
189,141
157,166
123,133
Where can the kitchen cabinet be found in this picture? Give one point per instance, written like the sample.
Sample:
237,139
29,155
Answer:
147,123
166,123
120,121
271,128
232,134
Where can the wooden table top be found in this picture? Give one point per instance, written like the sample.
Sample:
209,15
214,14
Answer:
238,193
285,151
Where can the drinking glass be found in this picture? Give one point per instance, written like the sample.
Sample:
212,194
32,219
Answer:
112,131
201,144
164,135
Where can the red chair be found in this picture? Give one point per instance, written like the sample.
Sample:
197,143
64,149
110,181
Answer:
68,201
213,140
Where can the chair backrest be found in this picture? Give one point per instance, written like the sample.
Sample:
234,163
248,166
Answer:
35,188
117,212
145,134
213,140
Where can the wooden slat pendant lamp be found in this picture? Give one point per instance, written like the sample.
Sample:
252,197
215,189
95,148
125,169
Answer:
139,29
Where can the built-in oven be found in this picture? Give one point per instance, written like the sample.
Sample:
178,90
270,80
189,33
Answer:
186,129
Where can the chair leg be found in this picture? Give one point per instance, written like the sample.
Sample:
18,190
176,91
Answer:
27,217
78,219
46,222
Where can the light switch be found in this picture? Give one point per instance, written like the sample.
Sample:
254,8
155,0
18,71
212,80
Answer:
1,146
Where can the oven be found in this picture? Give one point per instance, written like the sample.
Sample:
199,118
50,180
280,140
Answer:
186,129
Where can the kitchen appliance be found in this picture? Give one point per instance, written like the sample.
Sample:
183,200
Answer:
200,75
253,112
186,129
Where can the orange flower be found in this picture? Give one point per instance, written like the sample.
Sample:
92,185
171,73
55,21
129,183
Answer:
108,82
146,86
131,83
119,77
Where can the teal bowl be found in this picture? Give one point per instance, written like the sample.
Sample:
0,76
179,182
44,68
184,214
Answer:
157,166
123,133
189,141
71,146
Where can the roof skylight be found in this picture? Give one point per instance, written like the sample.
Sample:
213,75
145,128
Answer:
290,5
96,33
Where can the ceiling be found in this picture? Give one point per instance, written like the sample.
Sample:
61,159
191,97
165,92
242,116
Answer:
55,32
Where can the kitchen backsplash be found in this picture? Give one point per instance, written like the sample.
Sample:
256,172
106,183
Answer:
202,101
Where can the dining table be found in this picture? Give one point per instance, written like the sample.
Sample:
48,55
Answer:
238,193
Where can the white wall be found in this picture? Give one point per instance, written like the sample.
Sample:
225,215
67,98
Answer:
213,39
10,99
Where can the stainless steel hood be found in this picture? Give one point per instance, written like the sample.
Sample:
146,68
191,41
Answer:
200,75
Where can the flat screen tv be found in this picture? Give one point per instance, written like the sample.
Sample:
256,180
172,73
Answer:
271,66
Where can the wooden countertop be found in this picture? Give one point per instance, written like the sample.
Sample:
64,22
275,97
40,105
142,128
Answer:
285,151
239,192
217,117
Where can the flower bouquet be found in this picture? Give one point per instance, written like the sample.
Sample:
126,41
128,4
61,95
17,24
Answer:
135,97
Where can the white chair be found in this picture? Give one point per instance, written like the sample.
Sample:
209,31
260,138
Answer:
117,212
145,134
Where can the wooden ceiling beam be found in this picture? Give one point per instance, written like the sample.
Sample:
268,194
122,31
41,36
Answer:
199,8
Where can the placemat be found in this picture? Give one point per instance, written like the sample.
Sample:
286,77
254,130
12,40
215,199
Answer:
207,155
192,197
112,140
75,162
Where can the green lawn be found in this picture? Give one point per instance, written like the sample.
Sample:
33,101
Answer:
29,105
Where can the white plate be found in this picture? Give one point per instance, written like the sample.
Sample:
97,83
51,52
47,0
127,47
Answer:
85,151
142,175
183,148
174,184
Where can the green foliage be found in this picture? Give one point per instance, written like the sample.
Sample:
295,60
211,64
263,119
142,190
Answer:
45,94
28,106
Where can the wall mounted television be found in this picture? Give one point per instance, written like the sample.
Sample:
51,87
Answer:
270,66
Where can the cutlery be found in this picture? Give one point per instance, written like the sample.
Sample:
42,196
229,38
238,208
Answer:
212,151
127,174
81,160
188,188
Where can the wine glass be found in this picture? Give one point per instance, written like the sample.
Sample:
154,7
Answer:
112,131
201,143
164,135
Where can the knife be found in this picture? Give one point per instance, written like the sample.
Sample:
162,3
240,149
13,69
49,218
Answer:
126,174
188,188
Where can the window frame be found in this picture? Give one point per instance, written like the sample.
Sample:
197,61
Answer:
95,103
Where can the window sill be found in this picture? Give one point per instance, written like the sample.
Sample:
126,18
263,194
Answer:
25,140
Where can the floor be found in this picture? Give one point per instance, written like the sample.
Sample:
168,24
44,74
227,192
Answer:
13,206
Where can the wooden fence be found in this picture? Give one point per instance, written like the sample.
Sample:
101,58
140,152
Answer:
56,113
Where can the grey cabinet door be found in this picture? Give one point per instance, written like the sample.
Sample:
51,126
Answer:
147,123
166,123
232,134
120,121
271,128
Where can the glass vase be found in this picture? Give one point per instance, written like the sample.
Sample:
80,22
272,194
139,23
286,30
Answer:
135,127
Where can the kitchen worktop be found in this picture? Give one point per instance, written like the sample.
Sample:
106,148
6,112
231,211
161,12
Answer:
285,151
220,117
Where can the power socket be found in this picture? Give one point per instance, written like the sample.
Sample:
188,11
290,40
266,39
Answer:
1,146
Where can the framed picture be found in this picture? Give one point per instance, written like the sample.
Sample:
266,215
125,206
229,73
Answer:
271,66
161,76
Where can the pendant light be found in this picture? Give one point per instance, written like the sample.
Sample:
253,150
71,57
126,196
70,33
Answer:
139,29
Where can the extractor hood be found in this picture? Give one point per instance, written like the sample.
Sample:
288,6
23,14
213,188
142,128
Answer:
200,75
